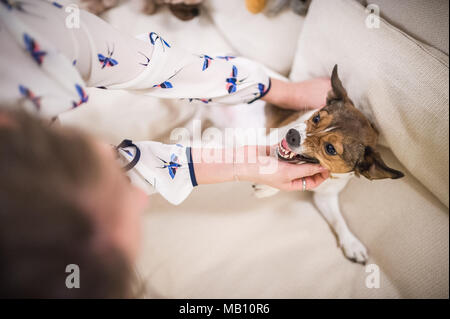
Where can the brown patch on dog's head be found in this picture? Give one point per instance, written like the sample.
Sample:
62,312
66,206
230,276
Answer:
339,137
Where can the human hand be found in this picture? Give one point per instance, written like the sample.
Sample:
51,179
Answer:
268,170
255,164
299,96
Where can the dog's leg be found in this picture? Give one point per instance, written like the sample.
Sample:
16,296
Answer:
328,205
262,190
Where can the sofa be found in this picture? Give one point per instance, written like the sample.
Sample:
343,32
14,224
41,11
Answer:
222,242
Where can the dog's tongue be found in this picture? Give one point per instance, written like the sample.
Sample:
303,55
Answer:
285,145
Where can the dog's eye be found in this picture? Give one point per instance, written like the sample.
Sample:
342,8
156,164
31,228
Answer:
316,119
330,149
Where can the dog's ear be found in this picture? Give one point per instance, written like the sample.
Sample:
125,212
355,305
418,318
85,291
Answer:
373,167
337,91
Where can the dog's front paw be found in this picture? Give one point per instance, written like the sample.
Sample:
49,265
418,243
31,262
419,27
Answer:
262,190
353,249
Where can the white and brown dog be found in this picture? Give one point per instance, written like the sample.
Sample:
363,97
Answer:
340,138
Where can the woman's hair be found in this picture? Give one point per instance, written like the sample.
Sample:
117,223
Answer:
43,228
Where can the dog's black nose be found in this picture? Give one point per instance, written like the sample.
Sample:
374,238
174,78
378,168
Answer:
293,138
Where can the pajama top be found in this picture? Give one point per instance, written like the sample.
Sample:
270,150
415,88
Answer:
50,53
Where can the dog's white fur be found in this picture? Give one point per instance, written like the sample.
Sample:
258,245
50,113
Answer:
326,199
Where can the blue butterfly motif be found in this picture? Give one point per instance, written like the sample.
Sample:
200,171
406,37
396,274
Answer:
172,166
56,4
164,85
154,37
232,80
148,60
29,95
82,94
33,48
206,101
107,60
261,88
226,57
207,62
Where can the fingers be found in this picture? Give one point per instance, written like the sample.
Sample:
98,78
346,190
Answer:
315,180
311,181
300,170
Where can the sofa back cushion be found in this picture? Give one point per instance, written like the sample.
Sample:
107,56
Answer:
268,40
398,82
426,21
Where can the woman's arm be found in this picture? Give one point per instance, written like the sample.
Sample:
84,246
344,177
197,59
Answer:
298,96
174,170
50,59
254,164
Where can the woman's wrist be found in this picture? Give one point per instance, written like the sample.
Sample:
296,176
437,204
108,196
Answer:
213,166
280,94
245,163
309,94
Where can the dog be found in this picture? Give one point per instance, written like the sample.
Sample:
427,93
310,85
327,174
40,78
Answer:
340,138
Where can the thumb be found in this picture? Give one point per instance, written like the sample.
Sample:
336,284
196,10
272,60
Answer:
302,170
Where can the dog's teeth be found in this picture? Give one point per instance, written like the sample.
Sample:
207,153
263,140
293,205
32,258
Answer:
286,154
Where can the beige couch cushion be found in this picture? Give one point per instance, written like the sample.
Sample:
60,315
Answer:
268,40
196,36
426,21
395,79
222,242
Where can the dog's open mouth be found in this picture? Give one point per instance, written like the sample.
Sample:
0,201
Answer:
286,154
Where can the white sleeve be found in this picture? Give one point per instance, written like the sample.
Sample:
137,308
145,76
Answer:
48,63
172,72
157,167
